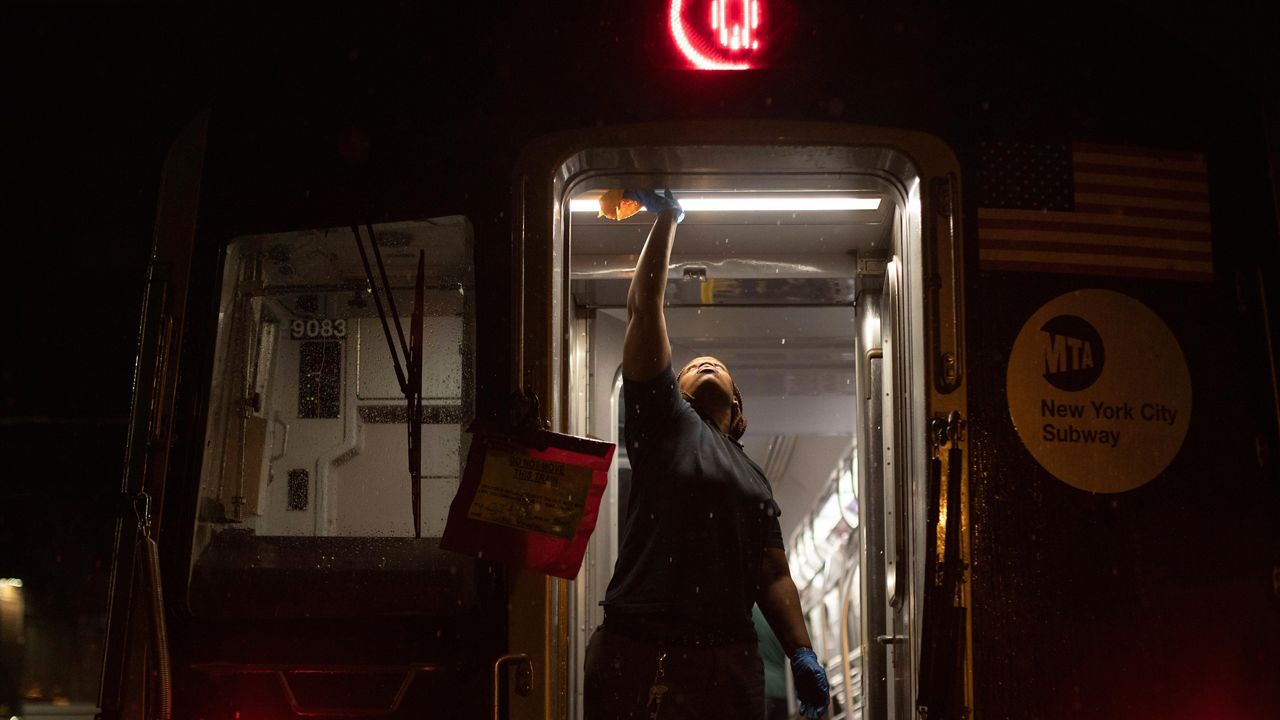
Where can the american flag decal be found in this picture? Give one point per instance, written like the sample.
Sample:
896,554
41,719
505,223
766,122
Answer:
1120,211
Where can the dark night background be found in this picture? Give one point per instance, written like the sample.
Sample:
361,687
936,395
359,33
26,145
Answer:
94,94
91,96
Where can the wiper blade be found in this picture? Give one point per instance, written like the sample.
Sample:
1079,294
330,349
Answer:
408,374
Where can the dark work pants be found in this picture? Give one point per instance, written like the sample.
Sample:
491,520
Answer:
705,682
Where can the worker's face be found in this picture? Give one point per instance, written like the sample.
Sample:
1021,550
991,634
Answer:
706,380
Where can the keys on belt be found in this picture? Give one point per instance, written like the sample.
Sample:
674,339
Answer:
657,690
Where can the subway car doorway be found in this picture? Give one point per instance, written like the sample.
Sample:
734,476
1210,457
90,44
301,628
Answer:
799,265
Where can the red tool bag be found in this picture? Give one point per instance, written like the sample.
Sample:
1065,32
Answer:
529,500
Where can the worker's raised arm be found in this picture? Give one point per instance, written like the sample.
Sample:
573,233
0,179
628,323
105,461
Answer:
646,351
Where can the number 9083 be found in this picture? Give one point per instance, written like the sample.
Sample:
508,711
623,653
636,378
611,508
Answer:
315,328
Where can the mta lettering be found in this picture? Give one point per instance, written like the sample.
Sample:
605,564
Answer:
1073,353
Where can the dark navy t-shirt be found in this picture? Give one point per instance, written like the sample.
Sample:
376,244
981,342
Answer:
699,515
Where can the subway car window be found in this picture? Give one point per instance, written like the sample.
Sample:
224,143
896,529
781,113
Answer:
306,503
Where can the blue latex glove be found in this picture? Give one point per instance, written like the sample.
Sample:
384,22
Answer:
655,201
812,689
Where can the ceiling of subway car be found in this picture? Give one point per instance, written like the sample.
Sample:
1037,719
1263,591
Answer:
736,257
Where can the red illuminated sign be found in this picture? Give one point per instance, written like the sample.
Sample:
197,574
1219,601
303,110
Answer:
718,34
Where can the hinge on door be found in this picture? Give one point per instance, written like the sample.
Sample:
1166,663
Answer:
955,427
937,435
945,431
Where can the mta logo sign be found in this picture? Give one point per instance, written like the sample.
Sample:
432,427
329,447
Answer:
1073,353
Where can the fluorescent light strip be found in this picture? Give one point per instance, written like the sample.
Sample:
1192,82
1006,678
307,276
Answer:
753,204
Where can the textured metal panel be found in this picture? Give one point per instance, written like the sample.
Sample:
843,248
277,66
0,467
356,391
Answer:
1084,603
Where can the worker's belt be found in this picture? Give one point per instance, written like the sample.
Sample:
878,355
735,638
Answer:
661,630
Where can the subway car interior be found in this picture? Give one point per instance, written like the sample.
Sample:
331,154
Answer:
783,277
304,472
306,548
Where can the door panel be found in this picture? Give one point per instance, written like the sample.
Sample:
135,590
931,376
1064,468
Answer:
877,575
124,691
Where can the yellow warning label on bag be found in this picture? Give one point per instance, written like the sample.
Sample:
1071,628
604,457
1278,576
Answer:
526,493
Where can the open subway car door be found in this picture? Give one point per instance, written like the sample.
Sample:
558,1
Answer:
298,430
882,289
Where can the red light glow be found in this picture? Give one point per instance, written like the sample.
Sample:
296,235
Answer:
729,38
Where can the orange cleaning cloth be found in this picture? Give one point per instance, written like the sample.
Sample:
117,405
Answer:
616,207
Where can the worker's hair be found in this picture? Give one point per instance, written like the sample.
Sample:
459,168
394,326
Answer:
738,420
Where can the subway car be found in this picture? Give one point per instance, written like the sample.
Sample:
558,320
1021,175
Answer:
1000,296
